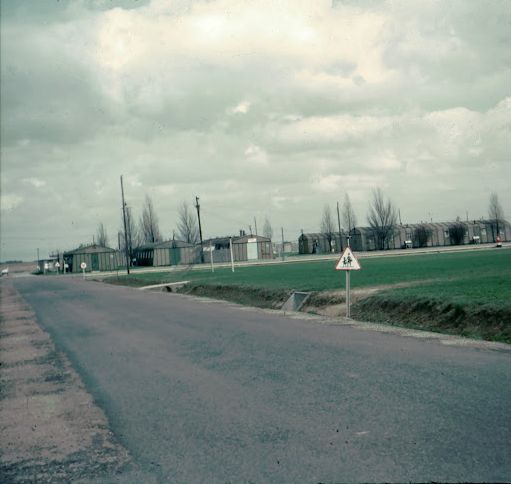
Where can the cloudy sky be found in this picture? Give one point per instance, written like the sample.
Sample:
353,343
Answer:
267,108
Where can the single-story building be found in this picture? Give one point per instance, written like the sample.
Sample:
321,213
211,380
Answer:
289,247
439,234
168,253
410,235
97,258
244,248
318,243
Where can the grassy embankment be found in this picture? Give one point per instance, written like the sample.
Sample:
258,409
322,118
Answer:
467,293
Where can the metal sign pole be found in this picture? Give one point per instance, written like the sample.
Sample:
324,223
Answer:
348,262
232,258
348,294
211,257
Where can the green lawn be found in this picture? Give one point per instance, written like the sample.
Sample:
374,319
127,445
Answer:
494,266
492,289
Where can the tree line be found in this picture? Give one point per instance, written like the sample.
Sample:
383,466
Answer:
147,229
382,217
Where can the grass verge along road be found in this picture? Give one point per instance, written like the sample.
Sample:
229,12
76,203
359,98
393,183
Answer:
467,293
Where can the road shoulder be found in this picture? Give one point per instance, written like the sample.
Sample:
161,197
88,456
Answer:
51,428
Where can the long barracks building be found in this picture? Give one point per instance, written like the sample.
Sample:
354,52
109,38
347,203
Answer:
408,236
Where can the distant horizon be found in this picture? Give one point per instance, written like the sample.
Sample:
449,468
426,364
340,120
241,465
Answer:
274,241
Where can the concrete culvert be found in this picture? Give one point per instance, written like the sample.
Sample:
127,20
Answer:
296,301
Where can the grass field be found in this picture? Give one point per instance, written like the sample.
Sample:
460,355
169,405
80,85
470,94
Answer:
322,276
464,292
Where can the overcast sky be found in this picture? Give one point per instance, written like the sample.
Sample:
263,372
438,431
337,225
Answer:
262,108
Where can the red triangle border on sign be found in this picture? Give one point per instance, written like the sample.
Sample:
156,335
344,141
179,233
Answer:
354,265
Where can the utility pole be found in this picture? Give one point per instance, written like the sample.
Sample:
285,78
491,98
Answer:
197,206
255,224
339,225
211,256
282,232
125,230
130,239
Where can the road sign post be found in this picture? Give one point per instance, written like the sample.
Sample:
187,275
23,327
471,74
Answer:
348,262
348,297
83,265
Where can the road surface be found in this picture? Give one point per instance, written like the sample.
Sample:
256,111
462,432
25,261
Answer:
209,391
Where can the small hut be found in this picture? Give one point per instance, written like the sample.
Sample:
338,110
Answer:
244,248
143,255
97,258
175,252
168,253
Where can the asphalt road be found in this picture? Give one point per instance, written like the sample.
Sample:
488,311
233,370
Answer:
204,391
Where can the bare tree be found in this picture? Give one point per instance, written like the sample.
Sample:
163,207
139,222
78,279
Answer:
496,214
101,236
187,225
267,229
327,225
349,218
149,227
382,217
133,234
421,235
457,232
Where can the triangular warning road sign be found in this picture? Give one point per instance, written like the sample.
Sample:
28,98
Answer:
347,262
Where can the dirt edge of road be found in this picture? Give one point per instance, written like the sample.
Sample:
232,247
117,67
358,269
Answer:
373,305
50,426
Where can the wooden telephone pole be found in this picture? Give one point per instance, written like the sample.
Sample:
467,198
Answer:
197,206
125,230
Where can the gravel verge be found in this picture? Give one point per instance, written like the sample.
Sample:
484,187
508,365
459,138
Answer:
50,426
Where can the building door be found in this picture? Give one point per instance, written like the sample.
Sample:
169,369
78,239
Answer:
252,250
175,256
94,262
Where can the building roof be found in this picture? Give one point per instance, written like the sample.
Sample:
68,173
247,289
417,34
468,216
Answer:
245,238
168,244
320,235
150,245
173,244
236,239
90,249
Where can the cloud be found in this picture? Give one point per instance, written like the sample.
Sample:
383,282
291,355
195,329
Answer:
10,202
255,154
260,108
241,108
35,182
